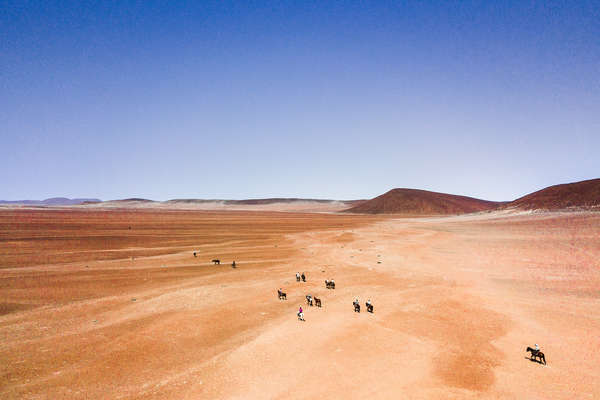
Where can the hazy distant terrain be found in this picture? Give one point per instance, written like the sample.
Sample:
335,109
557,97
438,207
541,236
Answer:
54,201
584,195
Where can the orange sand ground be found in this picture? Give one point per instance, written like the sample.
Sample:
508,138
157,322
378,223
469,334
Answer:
457,300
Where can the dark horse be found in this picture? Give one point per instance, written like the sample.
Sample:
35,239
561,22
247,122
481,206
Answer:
303,277
281,295
535,354
329,284
356,307
216,261
317,302
369,307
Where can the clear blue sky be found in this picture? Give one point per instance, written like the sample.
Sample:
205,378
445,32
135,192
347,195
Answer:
219,99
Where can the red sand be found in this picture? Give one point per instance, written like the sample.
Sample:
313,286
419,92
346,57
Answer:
457,301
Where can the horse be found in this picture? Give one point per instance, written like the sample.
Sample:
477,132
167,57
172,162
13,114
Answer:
327,284
317,302
297,277
303,277
216,261
309,300
281,295
301,316
369,307
332,284
356,307
535,354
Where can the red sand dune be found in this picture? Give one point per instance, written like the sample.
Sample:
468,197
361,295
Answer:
584,194
422,202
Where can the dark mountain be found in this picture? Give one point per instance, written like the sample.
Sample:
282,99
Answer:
422,202
583,195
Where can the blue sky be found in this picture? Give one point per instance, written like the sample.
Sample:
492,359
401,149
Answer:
252,99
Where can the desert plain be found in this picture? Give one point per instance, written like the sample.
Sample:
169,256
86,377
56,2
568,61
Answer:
112,304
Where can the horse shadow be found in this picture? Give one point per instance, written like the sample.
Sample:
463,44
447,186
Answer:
535,360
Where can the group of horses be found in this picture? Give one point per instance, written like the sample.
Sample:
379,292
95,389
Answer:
310,299
368,305
313,300
536,355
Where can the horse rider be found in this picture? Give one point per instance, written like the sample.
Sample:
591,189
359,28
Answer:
355,302
368,303
300,314
537,348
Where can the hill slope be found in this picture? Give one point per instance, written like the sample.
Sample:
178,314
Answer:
422,202
584,194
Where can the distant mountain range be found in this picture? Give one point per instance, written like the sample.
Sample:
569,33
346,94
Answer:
584,195
273,200
54,201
